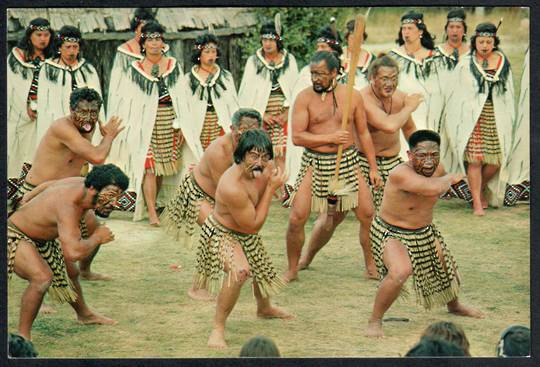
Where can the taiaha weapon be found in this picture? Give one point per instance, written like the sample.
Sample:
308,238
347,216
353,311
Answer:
338,188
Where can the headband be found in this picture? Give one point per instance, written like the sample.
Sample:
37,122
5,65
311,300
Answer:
456,19
207,46
39,27
411,20
327,40
270,36
69,39
486,34
152,35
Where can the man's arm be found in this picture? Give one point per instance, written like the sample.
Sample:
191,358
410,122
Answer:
391,123
300,123
364,136
74,247
83,148
408,128
407,180
247,216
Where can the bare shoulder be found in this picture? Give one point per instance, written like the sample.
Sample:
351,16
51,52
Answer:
364,92
228,188
400,173
304,95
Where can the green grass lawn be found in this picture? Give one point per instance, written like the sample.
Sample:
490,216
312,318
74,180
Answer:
332,301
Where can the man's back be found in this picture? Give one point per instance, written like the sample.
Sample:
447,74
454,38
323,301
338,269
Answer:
38,218
217,158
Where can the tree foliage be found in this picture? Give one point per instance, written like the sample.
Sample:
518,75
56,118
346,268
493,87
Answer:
300,28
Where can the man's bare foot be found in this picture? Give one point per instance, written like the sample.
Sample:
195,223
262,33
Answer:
200,294
303,264
479,212
374,329
371,275
95,318
484,201
273,312
46,309
155,223
458,309
90,276
290,276
216,339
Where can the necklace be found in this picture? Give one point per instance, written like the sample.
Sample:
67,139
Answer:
329,89
485,62
380,100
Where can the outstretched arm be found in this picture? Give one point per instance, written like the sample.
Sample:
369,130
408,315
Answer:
84,148
406,180
391,123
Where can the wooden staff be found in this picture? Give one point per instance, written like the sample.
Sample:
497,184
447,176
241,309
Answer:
335,186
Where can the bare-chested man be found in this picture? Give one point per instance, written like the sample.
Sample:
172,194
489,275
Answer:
230,249
194,198
46,230
317,118
388,111
404,239
65,148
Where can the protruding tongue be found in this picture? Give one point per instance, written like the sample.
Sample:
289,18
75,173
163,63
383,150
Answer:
256,173
87,126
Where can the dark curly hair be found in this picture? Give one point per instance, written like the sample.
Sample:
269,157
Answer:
26,45
68,31
420,136
256,138
427,38
84,94
201,41
141,15
150,27
19,347
270,28
485,27
105,175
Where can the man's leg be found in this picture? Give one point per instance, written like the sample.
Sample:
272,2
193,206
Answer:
84,264
195,292
474,177
320,235
228,296
397,261
84,314
488,171
455,306
30,265
265,310
150,195
298,216
364,213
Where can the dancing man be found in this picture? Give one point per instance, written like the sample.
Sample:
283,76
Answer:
44,240
317,116
230,249
404,239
